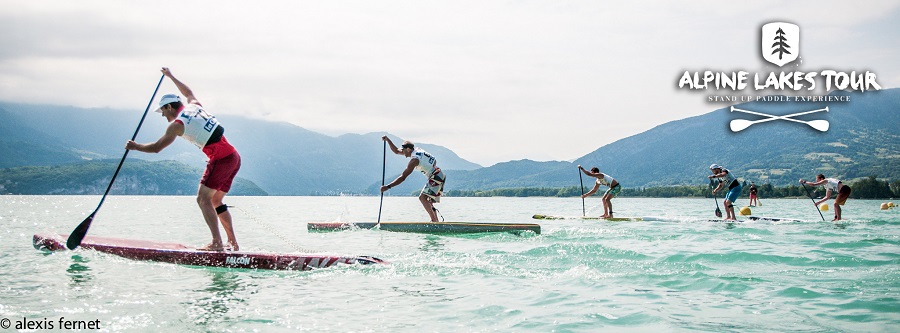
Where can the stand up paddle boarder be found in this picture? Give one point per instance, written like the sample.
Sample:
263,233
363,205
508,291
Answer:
831,185
734,188
605,180
754,200
191,122
427,164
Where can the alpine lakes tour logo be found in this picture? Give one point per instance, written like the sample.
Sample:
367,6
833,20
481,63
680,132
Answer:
780,45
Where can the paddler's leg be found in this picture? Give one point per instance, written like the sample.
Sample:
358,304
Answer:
429,207
205,201
225,219
607,205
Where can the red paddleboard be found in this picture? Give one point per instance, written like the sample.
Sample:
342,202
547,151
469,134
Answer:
180,254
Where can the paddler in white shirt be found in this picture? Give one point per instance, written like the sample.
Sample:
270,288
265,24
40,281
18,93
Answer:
604,180
726,178
832,185
427,164
191,122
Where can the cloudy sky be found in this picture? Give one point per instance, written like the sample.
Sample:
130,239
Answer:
492,80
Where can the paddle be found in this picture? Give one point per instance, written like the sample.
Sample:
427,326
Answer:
81,230
813,200
581,180
718,211
383,163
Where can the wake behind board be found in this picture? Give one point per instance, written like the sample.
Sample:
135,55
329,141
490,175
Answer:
428,227
180,254
611,219
772,219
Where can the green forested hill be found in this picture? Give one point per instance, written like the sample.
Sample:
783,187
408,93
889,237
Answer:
137,177
283,159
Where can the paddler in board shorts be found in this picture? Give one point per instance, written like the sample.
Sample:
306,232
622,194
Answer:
734,188
832,185
191,122
605,180
427,164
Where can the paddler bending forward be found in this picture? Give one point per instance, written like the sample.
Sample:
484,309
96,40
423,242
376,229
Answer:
832,185
605,180
427,164
194,124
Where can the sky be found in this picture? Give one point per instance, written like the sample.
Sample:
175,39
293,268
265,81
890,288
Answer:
493,81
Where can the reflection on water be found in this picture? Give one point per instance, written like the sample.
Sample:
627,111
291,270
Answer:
78,272
432,244
214,302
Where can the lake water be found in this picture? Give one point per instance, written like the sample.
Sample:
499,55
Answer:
577,276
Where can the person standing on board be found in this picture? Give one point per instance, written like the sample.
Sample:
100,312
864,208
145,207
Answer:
605,180
427,164
734,188
753,191
832,185
191,122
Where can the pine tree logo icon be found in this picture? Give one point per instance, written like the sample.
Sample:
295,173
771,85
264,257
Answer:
780,42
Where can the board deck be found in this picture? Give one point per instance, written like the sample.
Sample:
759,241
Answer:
428,227
180,254
611,219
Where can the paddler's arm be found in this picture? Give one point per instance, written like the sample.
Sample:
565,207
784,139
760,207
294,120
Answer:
409,169
721,174
585,171
391,144
173,131
827,196
183,88
718,187
592,191
817,183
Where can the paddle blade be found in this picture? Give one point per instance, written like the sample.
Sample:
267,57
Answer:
80,231
821,125
718,212
738,125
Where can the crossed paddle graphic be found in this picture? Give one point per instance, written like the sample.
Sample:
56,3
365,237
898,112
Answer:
738,125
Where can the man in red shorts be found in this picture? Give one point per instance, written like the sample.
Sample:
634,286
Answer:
194,124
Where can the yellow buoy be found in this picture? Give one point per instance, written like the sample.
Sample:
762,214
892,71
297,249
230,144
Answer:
891,204
823,207
884,206
745,211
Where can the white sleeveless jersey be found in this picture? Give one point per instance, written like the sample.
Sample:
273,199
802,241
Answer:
728,178
832,184
198,124
427,163
606,181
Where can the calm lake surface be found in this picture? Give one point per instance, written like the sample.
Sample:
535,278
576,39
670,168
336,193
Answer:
577,276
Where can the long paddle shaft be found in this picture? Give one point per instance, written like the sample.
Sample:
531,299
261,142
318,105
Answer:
813,200
383,163
581,180
81,230
718,211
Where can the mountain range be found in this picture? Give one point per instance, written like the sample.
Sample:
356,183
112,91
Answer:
863,140
285,159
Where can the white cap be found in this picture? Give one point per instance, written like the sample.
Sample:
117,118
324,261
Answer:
166,99
715,166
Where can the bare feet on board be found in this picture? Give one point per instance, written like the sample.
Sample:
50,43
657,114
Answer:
212,247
